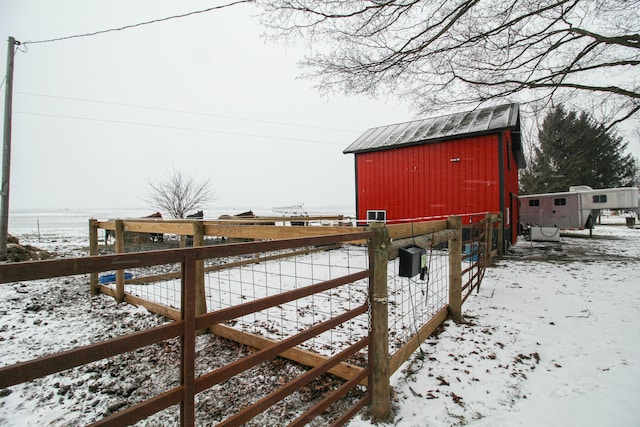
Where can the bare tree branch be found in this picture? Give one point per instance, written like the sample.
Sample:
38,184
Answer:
440,53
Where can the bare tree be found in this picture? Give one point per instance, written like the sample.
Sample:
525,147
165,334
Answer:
451,52
179,193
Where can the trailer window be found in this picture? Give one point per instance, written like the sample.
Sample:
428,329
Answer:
376,216
600,198
534,202
560,202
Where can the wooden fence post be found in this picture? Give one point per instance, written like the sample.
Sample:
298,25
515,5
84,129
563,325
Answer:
455,270
119,249
93,250
379,346
198,240
188,341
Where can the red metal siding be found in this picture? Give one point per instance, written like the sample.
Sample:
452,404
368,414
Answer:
428,181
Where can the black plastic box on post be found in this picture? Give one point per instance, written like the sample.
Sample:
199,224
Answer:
410,261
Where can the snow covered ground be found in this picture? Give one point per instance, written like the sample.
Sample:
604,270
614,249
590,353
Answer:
551,339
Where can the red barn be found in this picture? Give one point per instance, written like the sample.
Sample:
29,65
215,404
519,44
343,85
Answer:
459,164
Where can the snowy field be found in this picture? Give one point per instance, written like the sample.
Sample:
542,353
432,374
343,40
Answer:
551,339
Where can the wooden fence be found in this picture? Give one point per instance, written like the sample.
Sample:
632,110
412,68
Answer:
186,328
471,252
481,245
383,245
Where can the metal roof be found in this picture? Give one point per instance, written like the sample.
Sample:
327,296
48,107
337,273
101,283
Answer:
481,120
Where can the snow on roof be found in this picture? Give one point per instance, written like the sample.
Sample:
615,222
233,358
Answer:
437,128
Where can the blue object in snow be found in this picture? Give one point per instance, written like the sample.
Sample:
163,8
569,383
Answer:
471,249
108,278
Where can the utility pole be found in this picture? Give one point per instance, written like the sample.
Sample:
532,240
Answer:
6,151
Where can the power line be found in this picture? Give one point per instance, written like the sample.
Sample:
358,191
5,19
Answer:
147,107
154,21
177,128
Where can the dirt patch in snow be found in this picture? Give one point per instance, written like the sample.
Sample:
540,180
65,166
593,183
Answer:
18,253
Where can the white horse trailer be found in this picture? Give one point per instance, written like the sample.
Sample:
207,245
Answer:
609,198
577,208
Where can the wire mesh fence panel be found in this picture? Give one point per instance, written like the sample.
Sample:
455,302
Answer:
232,281
159,284
229,287
414,301
166,292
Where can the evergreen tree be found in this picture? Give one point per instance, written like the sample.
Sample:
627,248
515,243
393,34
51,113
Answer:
574,150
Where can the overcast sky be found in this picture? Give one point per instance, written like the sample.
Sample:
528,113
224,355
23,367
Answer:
96,118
